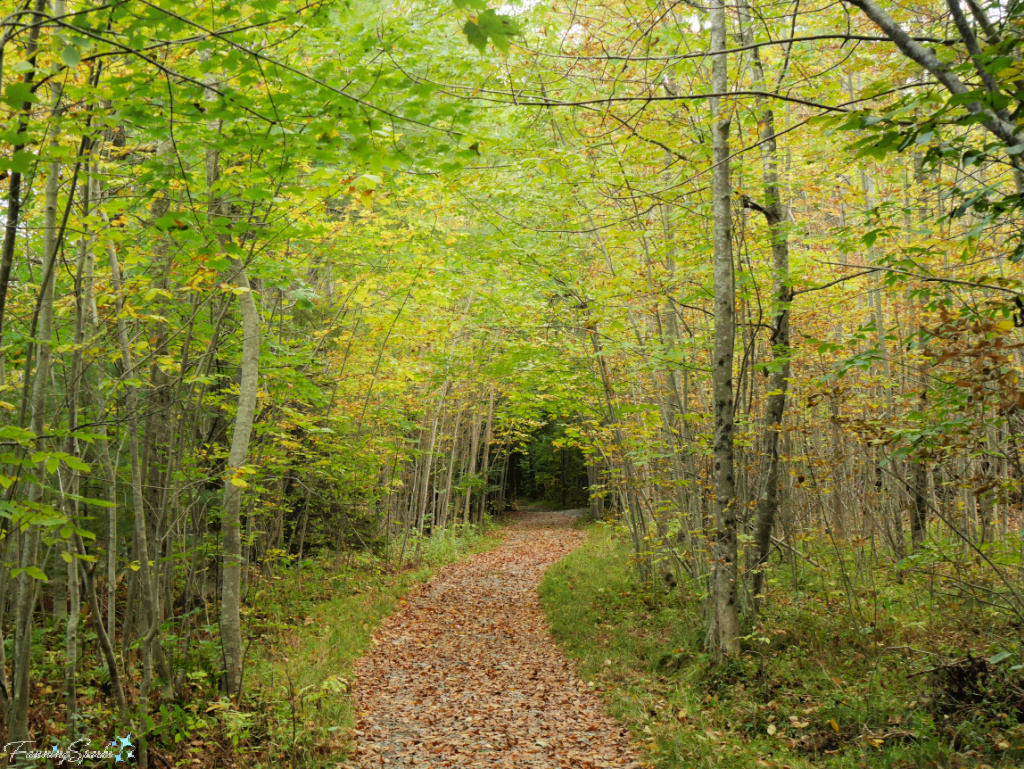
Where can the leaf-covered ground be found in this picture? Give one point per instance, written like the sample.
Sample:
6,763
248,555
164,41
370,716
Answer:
467,675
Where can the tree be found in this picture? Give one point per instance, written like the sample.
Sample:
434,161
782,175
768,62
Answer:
726,627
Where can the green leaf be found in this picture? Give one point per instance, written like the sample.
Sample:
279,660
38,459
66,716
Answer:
495,26
995,659
21,162
36,573
88,500
17,94
475,36
70,56
367,182
16,434
77,464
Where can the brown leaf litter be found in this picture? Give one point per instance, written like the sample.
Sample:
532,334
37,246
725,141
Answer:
466,675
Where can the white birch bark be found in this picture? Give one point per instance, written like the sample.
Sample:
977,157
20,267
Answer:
725,630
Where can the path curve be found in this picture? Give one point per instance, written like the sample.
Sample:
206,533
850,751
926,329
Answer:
466,675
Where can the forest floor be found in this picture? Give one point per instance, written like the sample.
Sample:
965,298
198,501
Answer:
888,680
466,673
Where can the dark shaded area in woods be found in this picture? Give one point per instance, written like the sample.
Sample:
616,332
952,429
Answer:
547,471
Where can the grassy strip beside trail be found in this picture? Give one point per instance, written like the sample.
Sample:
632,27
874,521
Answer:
811,692
309,623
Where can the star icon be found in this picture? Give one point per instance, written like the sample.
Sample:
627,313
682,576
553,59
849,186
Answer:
126,742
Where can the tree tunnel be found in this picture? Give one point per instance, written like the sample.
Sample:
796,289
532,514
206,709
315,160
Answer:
546,468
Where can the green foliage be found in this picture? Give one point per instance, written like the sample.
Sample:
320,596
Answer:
813,688
424,244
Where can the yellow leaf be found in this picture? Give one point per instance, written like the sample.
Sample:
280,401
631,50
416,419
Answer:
834,725
239,483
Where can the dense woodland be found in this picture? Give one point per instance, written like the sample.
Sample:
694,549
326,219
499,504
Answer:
284,279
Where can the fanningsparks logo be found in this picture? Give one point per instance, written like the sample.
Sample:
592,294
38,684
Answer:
120,749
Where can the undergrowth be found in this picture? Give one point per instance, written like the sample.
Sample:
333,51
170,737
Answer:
307,622
828,679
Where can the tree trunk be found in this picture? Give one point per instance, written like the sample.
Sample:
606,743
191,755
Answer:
28,585
71,637
725,634
486,458
474,449
147,588
230,607
105,640
774,211
12,213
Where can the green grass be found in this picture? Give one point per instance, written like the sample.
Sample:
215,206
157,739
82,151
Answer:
815,686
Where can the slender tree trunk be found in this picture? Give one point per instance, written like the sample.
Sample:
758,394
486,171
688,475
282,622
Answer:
919,477
147,578
877,309
443,512
474,449
105,640
28,585
74,387
71,636
12,213
775,213
231,545
426,500
230,607
725,634
486,457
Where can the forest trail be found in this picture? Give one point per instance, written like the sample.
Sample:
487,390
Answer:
467,675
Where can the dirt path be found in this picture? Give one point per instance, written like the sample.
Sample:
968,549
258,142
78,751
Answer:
466,674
